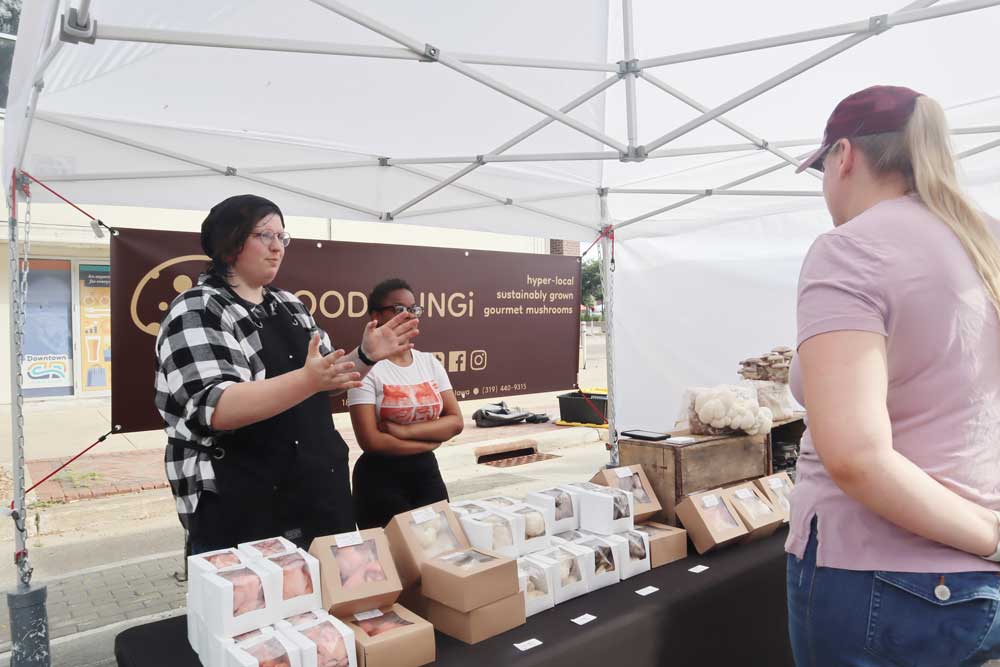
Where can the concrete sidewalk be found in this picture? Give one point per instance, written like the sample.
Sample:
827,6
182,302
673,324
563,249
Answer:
56,430
129,467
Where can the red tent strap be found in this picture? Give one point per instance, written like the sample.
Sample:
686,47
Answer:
608,232
57,195
594,407
63,466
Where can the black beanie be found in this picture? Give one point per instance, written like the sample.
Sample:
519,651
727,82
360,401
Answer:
229,223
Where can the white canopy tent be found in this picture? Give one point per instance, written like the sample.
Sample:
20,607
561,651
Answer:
675,125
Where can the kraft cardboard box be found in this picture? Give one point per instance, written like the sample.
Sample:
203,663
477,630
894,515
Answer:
392,637
469,579
357,571
421,534
474,626
666,543
757,514
414,600
632,479
778,490
711,520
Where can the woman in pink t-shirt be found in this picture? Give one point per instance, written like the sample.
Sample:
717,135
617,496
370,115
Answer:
893,542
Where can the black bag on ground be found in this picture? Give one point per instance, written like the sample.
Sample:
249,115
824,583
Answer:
498,414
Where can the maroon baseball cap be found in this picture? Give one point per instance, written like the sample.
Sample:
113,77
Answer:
870,111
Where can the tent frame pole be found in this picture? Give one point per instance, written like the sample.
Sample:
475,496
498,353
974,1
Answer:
709,193
773,82
607,285
545,122
507,201
873,23
121,33
978,149
727,188
713,191
218,169
628,71
762,144
452,63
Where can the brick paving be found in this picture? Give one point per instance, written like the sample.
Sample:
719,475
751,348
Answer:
100,475
93,600
97,475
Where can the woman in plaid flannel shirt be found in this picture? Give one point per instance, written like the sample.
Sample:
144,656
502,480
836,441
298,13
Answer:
243,379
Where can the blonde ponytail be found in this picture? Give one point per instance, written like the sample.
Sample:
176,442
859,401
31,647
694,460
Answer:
922,153
935,182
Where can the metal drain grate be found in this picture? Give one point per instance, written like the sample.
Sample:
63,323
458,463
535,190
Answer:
519,460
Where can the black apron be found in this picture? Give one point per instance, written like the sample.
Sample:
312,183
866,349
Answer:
287,475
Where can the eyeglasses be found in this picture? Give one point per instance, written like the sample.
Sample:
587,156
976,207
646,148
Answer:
268,237
399,309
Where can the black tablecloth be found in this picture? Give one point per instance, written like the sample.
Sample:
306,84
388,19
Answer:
733,614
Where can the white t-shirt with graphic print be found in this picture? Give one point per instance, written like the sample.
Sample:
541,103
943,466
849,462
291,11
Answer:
404,394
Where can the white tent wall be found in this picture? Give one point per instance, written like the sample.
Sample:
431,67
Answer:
688,308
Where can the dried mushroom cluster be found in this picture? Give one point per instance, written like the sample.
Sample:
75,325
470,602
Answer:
771,367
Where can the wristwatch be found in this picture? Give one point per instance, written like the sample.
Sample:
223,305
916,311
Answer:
995,557
364,357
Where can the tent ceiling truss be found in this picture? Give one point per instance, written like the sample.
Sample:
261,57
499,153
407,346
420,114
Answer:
78,26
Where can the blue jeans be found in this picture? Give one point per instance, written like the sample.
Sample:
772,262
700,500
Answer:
848,618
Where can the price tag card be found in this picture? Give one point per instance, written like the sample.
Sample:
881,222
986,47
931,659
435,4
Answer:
367,615
423,515
744,494
681,440
528,645
776,482
623,472
348,539
648,590
583,620
708,502
698,569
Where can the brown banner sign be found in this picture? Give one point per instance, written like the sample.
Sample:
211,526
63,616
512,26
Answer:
501,323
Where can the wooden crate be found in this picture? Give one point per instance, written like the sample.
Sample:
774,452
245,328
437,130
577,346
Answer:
676,471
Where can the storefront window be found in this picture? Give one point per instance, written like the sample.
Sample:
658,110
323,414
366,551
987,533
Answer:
47,365
95,327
